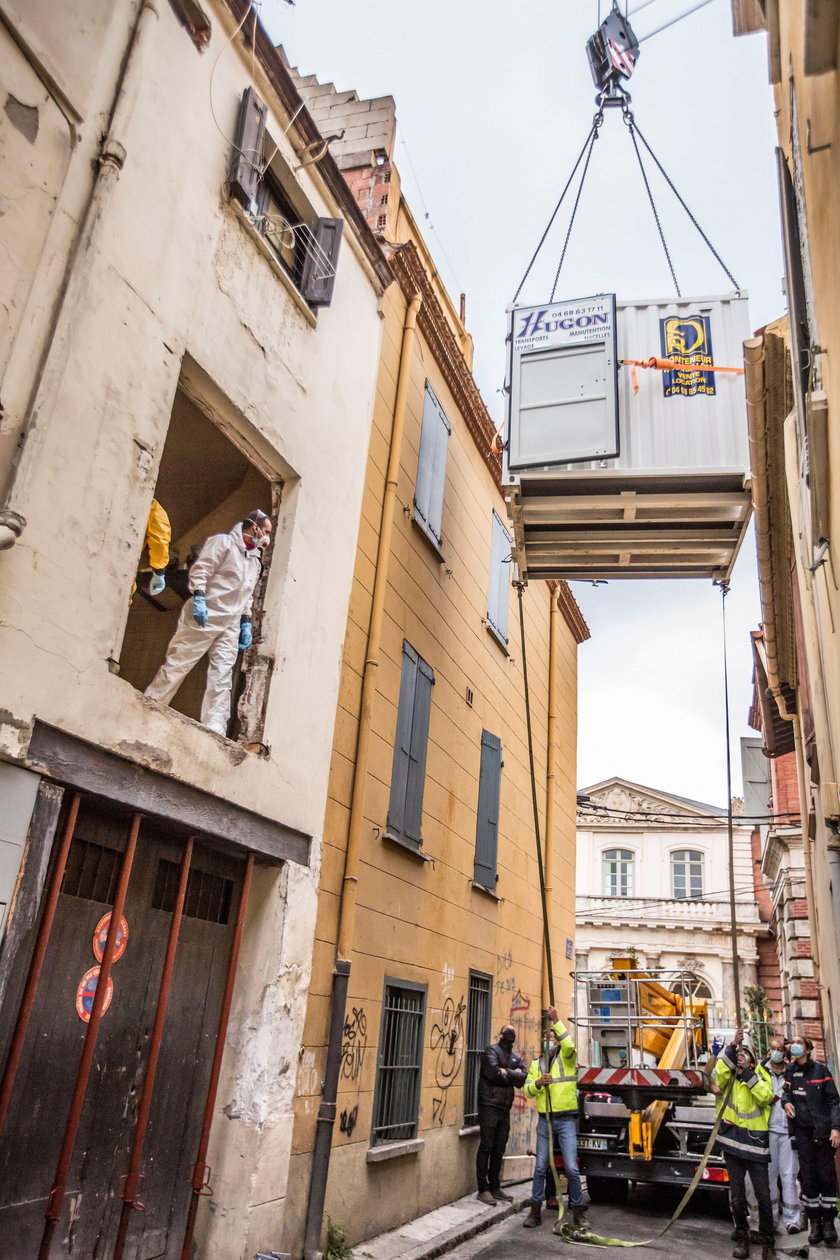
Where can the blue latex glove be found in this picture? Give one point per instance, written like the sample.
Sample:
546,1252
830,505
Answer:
199,609
244,635
717,1045
157,584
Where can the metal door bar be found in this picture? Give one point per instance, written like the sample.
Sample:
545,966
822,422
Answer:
42,940
200,1176
132,1178
56,1199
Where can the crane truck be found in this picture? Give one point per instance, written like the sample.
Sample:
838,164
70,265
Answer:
646,1110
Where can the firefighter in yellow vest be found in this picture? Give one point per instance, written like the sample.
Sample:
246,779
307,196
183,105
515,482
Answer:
552,1083
745,1138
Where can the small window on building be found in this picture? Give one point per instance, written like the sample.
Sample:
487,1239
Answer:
687,873
431,468
618,872
479,1003
205,485
305,246
396,1105
487,819
501,576
405,810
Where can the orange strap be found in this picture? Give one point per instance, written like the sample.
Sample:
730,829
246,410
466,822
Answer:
497,445
668,365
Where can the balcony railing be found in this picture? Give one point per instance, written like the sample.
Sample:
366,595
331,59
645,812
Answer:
663,909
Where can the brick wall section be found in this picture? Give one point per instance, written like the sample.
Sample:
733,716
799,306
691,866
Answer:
785,786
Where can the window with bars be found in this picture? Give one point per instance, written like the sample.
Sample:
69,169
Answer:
208,896
478,1037
687,873
396,1105
92,871
618,872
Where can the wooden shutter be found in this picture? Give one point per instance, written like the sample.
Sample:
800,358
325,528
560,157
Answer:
500,578
800,336
246,160
431,467
405,810
319,267
487,821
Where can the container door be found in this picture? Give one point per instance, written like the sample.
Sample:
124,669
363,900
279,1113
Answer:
563,399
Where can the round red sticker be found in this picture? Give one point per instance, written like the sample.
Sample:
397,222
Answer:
100,936
86,992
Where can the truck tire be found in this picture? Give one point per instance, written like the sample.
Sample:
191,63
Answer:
607,1189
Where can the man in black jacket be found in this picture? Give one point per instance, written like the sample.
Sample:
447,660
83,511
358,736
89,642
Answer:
501,1072
812,1104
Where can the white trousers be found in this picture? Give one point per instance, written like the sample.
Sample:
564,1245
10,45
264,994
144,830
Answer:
187,645
784,1167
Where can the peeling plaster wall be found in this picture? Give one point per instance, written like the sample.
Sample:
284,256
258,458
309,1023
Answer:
171,285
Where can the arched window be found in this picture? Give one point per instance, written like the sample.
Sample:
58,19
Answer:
687,873
618,872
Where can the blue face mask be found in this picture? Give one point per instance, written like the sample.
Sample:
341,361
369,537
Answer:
796,1050
777,1056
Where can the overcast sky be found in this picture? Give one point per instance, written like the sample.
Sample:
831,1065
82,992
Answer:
494,101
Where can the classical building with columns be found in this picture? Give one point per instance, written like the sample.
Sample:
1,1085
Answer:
653,879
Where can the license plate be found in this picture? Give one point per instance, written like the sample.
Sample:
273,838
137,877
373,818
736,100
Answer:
592,1143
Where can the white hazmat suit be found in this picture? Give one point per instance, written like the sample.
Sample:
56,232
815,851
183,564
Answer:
227,572
784,1162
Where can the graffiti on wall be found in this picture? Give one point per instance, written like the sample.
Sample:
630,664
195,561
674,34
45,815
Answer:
348,1120
354,1044
523,1115
447,1041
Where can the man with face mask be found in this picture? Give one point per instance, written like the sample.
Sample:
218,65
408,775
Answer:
217,620
501,1072
784,1165
813,1108
552,1083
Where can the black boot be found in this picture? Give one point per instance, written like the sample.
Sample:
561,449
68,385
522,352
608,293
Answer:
815,1234
534,1217
768,1251
579,1218
829,1229
742,1247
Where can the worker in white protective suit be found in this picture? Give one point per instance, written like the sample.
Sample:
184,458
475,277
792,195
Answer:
217,619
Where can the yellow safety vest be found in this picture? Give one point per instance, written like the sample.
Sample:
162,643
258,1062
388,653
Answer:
561,1096
746,1113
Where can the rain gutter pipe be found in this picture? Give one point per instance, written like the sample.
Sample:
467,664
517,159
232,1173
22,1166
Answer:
347,910
550,766
80,261
757,421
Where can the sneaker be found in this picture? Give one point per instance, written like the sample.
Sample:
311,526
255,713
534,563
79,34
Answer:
501,1197
484,1196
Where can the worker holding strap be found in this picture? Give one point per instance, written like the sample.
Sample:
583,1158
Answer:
744,1110
552,1082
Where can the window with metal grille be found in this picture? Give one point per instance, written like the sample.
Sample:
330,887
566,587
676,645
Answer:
618,872
687,873
208,896
478,1037
92,872
397,1100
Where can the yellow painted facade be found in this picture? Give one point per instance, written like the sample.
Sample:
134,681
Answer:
424,921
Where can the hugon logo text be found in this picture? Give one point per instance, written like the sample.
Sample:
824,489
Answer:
536,322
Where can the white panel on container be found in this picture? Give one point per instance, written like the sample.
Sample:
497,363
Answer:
563,383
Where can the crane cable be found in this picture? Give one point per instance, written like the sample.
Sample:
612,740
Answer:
582,1234
586,152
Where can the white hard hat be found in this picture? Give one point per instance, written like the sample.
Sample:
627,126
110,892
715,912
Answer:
747,1044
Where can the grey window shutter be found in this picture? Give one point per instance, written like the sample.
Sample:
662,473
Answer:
319,267
487,821
417,753
431,466
800,335
246,160
402,741
501,573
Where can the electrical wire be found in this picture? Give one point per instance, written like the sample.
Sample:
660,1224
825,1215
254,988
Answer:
426,214
654,814
674,21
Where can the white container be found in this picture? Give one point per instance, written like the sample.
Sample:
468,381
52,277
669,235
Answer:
612,470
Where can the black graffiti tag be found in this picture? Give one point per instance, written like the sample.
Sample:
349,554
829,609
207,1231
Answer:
447,1039
354,1045
348,1120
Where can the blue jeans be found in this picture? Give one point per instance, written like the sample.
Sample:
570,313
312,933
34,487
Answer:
565,1140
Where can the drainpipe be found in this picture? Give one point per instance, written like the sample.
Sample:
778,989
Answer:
757,419
347,910
80,261
550,766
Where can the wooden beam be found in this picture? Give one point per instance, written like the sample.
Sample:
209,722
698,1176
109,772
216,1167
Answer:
73,761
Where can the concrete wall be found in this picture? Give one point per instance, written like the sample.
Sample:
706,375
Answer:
424,922
165,285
